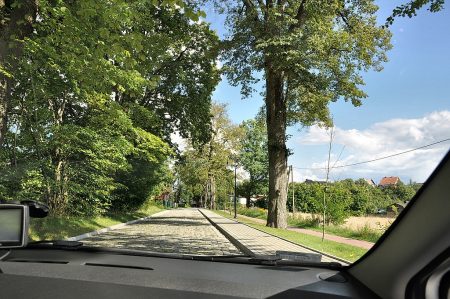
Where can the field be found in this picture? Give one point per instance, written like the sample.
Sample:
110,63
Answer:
368,228
355,223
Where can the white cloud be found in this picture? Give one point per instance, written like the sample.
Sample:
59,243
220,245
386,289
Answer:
301,176
386,138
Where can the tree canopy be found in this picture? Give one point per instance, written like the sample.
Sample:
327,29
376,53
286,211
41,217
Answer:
253,158
410,9
93,96
204,174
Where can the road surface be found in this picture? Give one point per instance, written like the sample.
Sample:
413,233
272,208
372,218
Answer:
183,231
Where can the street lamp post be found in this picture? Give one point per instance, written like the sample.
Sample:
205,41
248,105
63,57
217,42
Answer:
235,189
235,185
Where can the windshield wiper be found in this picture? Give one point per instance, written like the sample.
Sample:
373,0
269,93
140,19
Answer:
75,245
280,259
276,260
57,244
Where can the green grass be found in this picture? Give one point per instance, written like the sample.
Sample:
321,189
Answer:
364,233
344,251
253,212
57,228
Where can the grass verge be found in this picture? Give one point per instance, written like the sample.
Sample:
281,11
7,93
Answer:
58,228
344,251
365,233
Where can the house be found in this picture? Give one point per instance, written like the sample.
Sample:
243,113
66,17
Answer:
163,196
389,181
394,209
243,201
370,182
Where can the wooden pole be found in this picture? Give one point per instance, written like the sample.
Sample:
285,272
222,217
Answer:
293,192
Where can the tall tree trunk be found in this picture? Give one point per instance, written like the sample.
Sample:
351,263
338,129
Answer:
213,193
59,194
19,26
4,105
276,133
58,199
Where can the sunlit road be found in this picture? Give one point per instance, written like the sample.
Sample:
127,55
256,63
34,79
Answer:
183,231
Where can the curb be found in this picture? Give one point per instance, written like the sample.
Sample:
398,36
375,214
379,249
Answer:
230,238
107,229
312,249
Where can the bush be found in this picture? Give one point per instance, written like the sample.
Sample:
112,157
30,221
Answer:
253,212
304,222
261,203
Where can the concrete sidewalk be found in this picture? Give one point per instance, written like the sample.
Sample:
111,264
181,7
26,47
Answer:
256,241
338,239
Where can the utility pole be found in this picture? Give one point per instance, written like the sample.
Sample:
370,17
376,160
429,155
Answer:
293,191
326,182
235,189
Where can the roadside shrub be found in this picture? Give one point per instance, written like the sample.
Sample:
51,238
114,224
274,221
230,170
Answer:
367,233
303,222
253,212
261,203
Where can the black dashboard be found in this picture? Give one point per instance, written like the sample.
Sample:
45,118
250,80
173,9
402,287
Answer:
52,273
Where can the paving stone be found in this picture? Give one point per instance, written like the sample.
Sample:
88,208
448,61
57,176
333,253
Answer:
183,231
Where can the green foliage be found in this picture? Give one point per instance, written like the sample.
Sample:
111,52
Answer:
317,48
98,89
410,9
60,227
253,212
203,170
253,158
348,197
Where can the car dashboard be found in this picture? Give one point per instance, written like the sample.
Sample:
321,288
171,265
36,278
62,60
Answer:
53,273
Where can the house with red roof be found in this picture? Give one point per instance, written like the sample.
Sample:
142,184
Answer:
389,181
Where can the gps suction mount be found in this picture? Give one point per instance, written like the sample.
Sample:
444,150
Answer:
35,208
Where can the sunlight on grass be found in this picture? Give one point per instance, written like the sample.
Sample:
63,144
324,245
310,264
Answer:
58,228
344,251
364,233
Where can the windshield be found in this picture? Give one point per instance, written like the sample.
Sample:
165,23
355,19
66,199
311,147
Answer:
297,130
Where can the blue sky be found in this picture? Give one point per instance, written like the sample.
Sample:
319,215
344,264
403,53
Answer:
409,98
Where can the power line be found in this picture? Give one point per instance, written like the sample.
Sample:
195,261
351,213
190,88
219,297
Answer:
377,159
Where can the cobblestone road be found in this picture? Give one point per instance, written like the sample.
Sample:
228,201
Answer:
183,231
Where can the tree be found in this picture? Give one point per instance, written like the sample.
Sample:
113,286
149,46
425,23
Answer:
95,95
16,20
410,9
310,53
253,157
202,169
